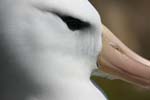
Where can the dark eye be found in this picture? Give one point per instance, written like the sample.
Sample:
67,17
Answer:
74,23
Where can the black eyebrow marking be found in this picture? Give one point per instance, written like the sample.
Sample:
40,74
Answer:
74,23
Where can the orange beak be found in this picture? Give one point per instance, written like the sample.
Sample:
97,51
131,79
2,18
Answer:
118,60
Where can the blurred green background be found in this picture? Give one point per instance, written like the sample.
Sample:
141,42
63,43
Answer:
130,21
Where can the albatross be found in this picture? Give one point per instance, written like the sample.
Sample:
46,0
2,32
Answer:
50,48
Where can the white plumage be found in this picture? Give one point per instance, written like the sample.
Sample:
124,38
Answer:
55,57
49,49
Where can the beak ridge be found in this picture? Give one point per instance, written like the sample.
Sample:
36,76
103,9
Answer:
120,61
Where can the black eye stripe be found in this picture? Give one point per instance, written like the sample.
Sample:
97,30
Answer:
74,23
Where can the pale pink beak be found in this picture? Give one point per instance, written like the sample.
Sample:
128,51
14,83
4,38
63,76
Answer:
120,61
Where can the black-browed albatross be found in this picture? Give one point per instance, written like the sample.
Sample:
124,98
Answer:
50,48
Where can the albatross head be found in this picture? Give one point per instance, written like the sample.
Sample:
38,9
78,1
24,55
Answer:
56,44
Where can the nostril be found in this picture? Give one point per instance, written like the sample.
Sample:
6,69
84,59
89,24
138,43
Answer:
74,23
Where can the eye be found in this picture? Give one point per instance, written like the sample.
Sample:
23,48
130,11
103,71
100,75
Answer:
74,24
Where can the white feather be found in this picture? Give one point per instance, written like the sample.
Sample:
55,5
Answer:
58,60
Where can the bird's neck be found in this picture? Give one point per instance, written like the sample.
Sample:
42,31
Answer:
70,89
66,78
55,77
